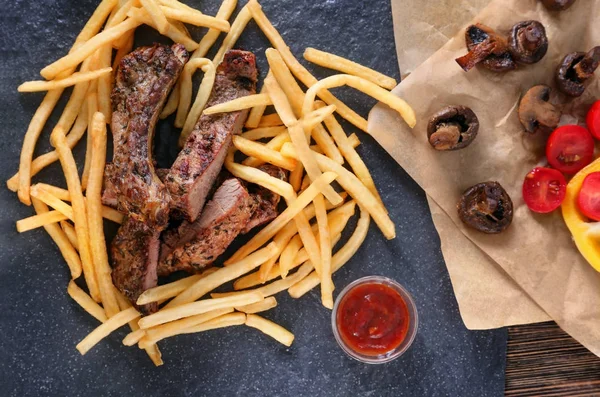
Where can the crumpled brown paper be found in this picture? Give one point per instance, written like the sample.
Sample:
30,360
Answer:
487,296
537,251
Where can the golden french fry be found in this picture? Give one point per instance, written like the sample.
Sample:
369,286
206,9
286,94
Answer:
58,192
170,290
52,201
262,133
43,219
201,97
141,15
124,48
274,144
300,71
190,309
46,159
78,77
353,140
92,105
293,209
172,102
105,83
160,332
271,329
94,213
270,120
288,255
256,176
280,101
195,18
113,323
223,275
226,320
224,13
356,189
79,213
335,62
61,240
86,302
74,58
296,177
185,91
339,259
257,112
70,233
325,246
96,21
157,15
134,337
242,103
112,215
120,14
371,89
264,305
263,153
237,27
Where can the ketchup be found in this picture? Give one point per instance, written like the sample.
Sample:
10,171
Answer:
373,319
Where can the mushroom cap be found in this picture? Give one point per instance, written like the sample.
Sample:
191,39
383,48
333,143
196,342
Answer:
486,207
558,5
566,78
528,42
452,128
500,60
536,113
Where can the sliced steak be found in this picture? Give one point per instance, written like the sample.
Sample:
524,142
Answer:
143,81
134,252
194,246
199,162
110,193
266,201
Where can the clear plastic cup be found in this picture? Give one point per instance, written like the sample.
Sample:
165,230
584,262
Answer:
412,325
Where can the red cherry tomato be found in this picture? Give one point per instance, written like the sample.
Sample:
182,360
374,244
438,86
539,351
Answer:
593,120
544,189
570,148
588,199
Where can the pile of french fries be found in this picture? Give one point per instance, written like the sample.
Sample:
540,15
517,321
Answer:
289,253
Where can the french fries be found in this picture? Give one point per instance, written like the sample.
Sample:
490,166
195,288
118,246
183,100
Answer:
157,15
242,103
53,202
226,320
86,303
257,112
188,120
261,178
203,306
141,15
70,233
172,102
106,328
237,27
274,144
344,65
267,327
263,152
262,306
270,120
195,18
224,13
167,291
262,133
78,77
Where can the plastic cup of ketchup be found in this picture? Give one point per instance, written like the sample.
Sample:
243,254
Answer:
374,320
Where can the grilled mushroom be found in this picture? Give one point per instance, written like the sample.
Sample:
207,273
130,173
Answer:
452,128
558,5
528,42
536,113
488,48
486,207
575,69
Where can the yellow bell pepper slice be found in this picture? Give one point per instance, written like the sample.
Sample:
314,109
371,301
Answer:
586,234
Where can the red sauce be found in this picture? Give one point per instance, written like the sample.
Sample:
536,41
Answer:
372,319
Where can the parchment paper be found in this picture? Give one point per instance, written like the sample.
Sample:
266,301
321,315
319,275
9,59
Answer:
537,250
487,297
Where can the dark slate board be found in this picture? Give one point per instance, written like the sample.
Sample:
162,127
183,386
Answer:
40,325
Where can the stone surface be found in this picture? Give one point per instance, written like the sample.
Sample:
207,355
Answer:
40,325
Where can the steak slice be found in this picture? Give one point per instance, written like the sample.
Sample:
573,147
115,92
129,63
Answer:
266,201
143,81
134,252
110,193
199,162
194,246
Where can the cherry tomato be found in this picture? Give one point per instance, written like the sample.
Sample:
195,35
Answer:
588,199
570,148
544,189
593,120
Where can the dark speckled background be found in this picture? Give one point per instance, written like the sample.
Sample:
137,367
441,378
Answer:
40,325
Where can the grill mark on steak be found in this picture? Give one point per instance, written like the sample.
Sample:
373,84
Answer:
194,246
199,162
110,192
143,81
266,201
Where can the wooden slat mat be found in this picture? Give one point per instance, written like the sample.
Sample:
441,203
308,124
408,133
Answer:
542,360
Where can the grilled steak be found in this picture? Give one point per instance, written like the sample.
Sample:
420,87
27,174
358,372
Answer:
265,208
199,162
194,246
109,190
143,81
134,253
